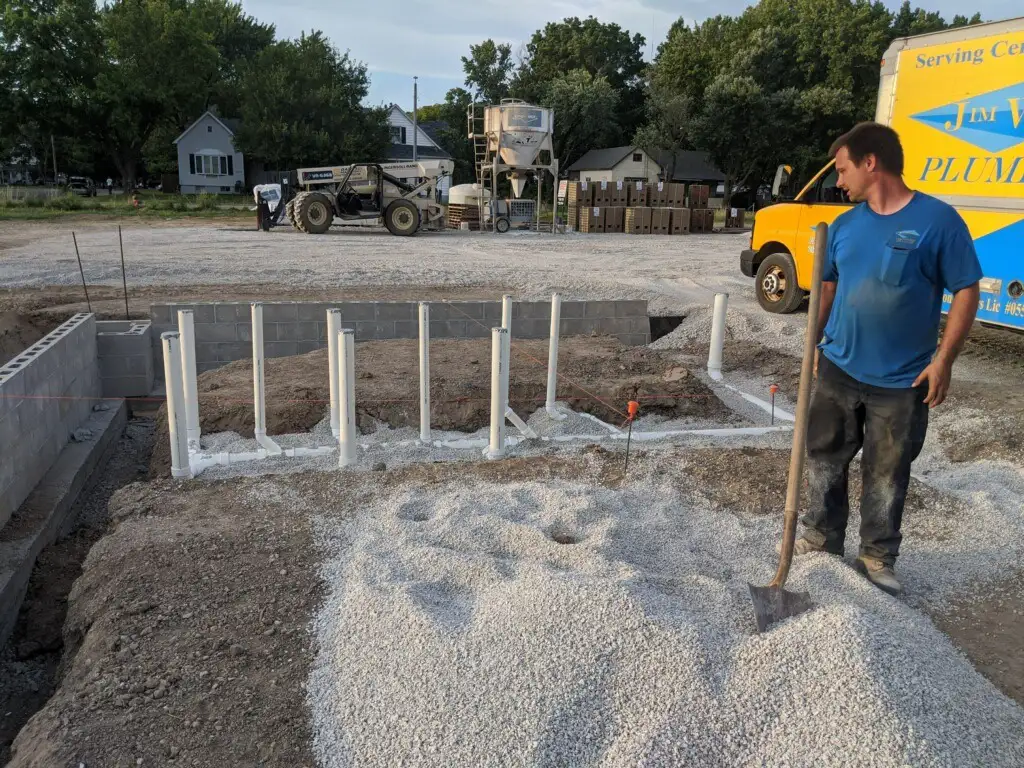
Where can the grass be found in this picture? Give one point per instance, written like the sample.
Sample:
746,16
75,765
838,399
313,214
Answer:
159,205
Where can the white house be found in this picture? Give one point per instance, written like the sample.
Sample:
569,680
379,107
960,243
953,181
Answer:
207,158
427,147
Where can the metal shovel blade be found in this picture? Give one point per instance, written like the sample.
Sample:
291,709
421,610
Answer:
772,604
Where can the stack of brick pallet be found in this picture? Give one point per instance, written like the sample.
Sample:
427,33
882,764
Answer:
702,218
735,218
639,208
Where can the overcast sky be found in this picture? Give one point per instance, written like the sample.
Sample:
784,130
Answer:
399,38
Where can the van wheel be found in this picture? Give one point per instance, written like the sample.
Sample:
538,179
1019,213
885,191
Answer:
776,287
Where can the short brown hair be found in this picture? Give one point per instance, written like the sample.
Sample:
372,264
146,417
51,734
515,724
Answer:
872,139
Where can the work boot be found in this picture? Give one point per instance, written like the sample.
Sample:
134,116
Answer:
879,574
802,546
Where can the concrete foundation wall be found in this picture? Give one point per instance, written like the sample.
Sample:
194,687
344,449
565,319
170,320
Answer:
125,350
224,329
46,393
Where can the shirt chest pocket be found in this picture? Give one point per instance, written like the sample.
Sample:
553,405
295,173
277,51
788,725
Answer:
900,261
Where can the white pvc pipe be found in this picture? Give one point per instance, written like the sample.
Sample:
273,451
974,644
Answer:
499,382
187,329
556,320
717,336
424,372
506,313
258,384
171,341
346,397
333,327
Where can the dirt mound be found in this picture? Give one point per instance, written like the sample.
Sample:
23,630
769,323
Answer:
18,332
597,376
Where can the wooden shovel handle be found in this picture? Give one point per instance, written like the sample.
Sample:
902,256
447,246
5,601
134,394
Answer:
803,406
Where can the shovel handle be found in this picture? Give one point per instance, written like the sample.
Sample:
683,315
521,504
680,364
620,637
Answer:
803,406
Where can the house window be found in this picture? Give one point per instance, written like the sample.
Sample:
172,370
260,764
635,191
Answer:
209,129
638,157
211,165
398,134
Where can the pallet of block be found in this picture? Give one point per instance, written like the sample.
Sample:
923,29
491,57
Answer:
735,218
702,220
600,219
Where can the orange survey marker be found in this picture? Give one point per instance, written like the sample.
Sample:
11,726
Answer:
633,407
773,389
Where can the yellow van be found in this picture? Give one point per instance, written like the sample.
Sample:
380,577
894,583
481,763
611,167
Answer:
956,98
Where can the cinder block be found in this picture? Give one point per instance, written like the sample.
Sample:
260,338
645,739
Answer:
276,349
531,329
160,313
313,311
390,311
12,389
212,366
481,330
216,332
281,312
231,350
492,310
407,329
599,309
127,386
305,331
112,326
572,310
373,330
535,310
10,431
357,311
201,313
574,327
232,312
465,310
243,332
448,329
112,345
639,324
126,365
631,308
305,347
205,353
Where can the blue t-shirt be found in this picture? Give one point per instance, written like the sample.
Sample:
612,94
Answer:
890,272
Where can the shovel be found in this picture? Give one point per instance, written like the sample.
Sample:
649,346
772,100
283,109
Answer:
773,603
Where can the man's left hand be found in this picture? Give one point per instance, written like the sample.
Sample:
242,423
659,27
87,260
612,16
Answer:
937,374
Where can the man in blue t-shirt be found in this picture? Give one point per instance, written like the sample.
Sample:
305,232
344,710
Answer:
889,260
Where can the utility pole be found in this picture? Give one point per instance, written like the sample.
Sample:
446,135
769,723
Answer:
415,119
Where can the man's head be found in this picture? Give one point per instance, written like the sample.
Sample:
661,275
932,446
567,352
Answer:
864,156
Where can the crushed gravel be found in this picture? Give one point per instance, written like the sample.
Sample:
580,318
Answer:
560,623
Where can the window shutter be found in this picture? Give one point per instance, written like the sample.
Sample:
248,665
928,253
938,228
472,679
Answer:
223,165
231,165
403,135
192,164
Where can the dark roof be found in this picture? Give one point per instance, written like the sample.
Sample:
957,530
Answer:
232,123
433,127
690,166
601,159
398,152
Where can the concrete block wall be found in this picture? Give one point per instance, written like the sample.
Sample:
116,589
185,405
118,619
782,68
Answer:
224,329
46,393
125,350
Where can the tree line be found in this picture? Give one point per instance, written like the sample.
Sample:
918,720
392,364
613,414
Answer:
774,85
112,87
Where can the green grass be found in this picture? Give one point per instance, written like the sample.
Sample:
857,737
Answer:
160,205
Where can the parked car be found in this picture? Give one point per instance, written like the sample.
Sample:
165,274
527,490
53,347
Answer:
81,185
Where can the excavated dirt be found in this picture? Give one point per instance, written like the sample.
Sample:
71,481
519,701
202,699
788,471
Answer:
597,375
187,640
17,331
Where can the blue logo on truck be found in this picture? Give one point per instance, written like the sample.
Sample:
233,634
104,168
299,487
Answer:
992,121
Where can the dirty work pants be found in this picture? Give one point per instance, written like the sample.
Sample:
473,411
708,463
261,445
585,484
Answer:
890,425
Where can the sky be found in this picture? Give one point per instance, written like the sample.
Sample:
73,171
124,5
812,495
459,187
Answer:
398,39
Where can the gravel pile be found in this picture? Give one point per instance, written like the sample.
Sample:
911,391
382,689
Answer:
562,624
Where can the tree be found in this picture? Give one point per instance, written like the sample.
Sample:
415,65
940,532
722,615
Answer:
49,56
604,51
669,114
585,109
300,104
488,70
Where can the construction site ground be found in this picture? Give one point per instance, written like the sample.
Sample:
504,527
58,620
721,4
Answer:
180,624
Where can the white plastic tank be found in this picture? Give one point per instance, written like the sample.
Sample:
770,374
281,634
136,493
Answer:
466,194
525,130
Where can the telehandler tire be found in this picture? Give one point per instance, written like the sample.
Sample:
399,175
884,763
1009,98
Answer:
289,211
402,218
314,213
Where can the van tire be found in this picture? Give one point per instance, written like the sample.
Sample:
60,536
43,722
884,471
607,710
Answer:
775,285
